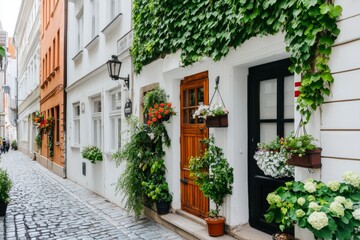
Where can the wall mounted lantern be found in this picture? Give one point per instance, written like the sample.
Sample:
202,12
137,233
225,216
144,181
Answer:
114,66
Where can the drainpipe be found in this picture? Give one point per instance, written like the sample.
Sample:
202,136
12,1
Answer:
65,85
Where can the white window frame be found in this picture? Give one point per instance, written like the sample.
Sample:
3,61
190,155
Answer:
115,120
114,8
94,18
76,124
80,30
96,122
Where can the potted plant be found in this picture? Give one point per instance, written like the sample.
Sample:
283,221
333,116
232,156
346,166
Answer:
302,151
160,112
213,174
215,115
5,186
329,211
92,153
14,145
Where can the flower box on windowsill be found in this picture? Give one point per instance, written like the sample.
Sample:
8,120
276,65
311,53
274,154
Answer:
311,159
217,121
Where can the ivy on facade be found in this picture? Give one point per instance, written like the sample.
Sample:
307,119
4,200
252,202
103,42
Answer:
212,27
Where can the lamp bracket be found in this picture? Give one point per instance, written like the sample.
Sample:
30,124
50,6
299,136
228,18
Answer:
126,80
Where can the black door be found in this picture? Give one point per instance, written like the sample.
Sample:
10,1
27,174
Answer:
271,114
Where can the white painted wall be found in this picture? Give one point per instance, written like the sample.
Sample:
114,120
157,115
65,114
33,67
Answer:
88,77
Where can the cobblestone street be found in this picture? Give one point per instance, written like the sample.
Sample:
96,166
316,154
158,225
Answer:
45,206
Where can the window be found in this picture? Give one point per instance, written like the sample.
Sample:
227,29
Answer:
76,121
94,18
114,8
96,122
80,27
115,120
58,49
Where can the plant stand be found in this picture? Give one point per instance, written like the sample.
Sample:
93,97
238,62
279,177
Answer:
216,226
217,121
311,159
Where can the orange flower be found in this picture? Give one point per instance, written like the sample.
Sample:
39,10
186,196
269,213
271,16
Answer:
156,106
156,112
154,119
169,104
162,104
161,110
159,116
167,112
149,122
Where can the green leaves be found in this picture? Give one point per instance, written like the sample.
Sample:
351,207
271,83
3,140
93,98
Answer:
210,28
2,52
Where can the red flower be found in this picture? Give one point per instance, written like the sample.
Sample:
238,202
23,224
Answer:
156,106
162,104
149,122
167,112
159,116
169,104
161,110
154,119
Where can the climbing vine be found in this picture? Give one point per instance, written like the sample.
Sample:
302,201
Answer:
211,27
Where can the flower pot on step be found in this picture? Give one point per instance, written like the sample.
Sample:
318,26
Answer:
162,207
3,207
216,226
312,159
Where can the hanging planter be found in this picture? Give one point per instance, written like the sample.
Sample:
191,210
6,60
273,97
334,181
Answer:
216,114
311,159
217,121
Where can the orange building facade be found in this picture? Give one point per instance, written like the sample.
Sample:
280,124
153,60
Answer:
52,84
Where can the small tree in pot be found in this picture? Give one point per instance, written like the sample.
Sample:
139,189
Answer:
215,177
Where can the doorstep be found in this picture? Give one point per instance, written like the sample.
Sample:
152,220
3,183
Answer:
194,228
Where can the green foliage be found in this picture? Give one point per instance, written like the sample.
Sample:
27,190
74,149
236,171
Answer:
213,174
92,153
5,186
144,175
211,27
153,97
298,145
329,211
38,140
2,52
14,145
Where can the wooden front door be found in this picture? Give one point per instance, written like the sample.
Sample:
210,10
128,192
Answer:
271,114
193,92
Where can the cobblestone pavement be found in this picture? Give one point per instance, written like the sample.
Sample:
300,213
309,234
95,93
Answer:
45,206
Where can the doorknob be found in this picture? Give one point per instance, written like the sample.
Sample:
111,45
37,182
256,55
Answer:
183,180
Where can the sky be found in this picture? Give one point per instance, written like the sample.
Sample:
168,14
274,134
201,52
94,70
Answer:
8,15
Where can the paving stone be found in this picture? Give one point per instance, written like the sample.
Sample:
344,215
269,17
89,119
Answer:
45,206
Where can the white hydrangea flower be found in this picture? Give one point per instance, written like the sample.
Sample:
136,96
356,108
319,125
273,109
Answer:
314,206
334,185
301,201
300,213
310,187
348,204
273,198
337,208
318,220
340,199
356,214
353,178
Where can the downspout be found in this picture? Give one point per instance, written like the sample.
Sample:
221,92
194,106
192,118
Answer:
65,85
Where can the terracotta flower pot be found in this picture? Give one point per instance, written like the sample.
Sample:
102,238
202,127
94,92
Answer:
216,226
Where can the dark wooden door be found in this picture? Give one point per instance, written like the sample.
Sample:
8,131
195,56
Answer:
193,92
271,114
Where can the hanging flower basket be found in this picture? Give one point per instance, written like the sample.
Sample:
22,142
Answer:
312,159
217,121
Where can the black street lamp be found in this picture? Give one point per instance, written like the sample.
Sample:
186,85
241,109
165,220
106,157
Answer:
114,66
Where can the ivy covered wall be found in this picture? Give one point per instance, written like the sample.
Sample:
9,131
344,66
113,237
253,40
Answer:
212,27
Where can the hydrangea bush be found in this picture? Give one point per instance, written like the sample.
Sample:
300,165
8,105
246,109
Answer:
329,211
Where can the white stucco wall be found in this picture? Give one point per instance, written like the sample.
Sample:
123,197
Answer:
88,77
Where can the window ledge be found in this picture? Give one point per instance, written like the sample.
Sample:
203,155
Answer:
111,26
94,42
78,56
75,146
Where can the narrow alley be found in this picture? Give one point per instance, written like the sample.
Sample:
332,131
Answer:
45,206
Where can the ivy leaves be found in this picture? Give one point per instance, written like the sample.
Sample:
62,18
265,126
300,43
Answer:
211,27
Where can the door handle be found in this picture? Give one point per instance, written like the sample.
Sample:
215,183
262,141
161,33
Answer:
183,180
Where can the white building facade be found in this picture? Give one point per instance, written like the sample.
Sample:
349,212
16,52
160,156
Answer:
95,103
27,43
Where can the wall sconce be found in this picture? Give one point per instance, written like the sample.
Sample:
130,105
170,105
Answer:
114,66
